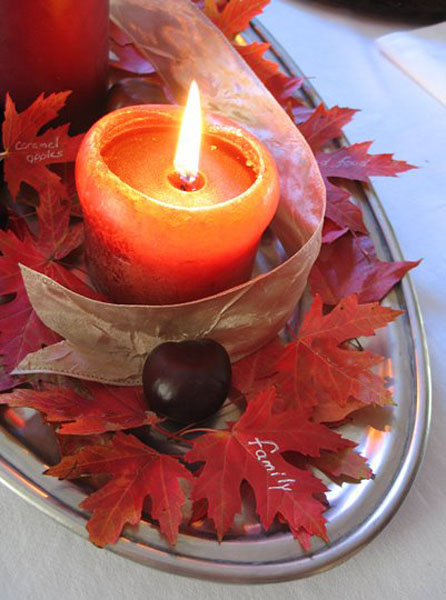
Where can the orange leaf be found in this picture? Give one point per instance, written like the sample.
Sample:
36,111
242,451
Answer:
99,409
317,368
237,15
137,472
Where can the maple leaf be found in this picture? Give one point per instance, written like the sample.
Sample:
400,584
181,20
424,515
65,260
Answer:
348,320
328,411
316,367
124,54
101,408
70,444
236,15
137,472
21,331
342,465
251,452
350,162
331,232
298,111
27,153
321,127
354,162
325,124
280,85
349,265
341,211
55,240
250,374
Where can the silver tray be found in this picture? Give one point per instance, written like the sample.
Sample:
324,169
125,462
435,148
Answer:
392,438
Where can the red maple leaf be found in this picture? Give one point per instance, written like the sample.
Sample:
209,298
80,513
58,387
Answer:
325,124
70,444
343,465
124,54
137,472
298,111
317,366
27,153
350,162
316,369
251,374
280,85
251,452
354,162
21,331
342,211
327,411
331,232
98,409
349,265
235,16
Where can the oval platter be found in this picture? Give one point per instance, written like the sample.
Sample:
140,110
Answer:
393,439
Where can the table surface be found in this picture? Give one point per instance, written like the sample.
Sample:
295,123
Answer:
39,559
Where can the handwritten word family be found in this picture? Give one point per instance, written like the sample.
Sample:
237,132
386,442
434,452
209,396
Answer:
266,448
44,150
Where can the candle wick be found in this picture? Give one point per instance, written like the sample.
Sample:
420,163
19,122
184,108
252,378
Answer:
187,178
186,182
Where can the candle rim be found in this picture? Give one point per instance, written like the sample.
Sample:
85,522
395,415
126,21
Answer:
96,136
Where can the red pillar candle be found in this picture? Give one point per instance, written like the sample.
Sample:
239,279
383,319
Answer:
55,45
147,240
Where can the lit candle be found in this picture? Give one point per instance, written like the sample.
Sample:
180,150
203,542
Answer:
52,46
161,228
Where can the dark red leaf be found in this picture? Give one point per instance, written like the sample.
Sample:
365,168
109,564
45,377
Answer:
354,162
331,232
349,265
325,124
341,210
21,331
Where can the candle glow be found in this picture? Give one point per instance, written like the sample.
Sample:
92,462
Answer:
187,157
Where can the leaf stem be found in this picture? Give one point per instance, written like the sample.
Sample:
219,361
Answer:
169,434
199,429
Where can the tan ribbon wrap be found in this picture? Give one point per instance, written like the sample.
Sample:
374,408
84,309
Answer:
109,343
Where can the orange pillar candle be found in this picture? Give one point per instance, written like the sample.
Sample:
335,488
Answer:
157,236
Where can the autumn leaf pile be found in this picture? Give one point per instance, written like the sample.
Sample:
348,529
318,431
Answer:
292,394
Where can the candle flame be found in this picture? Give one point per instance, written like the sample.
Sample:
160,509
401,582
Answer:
187,156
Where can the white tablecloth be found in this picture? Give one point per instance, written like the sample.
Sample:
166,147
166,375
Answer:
40,560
